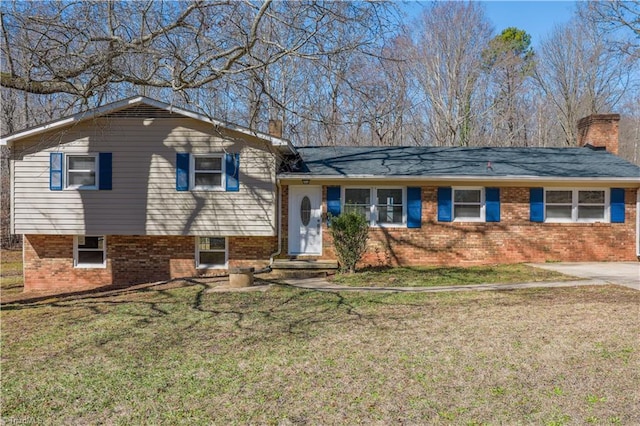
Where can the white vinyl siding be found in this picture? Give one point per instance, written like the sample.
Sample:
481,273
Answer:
143,200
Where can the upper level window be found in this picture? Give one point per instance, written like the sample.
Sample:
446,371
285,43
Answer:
574,205
380,206
81,171
89,251
207,172
468,204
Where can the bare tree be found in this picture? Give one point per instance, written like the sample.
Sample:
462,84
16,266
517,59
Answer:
77,48
619,19
447,64
579,75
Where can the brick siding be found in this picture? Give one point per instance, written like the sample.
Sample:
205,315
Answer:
514,239
48,260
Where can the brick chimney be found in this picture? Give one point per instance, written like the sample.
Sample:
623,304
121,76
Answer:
275,128
599,131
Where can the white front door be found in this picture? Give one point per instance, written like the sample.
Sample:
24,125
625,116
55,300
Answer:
305,220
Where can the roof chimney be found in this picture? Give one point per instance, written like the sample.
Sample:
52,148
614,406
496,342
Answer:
599,131
275,128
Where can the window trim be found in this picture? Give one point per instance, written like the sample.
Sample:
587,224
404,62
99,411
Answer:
373,204
76,250
192,172
200,266
483,204
96,185
575,204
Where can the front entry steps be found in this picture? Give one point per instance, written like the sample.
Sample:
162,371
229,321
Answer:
303,268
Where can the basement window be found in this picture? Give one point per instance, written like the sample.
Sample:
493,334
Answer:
89,251
211,252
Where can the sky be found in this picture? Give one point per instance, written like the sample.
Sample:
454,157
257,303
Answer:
537,18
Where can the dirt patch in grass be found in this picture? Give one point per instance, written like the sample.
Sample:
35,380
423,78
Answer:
181,355
11,281
446,276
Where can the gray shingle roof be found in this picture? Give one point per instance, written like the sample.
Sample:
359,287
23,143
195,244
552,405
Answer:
483,161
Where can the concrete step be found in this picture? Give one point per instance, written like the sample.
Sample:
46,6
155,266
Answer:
304,264
298,274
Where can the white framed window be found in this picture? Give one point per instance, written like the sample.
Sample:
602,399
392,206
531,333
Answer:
89,251
576,205
207,172
81,171
358,200
381,206
468,204
211,252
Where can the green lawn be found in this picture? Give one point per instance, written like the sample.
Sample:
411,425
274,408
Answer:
179,355
446,276
10,272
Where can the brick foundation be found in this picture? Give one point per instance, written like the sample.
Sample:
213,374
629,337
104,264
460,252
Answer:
514,239
48,260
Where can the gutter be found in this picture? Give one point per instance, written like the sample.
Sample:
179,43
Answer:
279,224
470,178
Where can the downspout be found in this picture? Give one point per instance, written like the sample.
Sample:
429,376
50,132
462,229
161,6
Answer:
275,130
638,223
279,224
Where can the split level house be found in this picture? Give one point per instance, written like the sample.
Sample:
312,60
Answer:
141,191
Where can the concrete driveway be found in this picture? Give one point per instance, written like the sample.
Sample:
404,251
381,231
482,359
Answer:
622,273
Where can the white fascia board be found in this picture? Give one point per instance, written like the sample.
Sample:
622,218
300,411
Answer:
116,106
85,115
453,178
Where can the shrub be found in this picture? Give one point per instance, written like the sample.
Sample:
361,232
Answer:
350,232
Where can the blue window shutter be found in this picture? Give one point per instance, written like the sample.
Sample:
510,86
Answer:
444,204
617,205
414,207
182,171
536,204
492,199
104,164
232,170
55,171
333,200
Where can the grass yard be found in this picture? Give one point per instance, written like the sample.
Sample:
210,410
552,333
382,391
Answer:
180,355
446,276
10,271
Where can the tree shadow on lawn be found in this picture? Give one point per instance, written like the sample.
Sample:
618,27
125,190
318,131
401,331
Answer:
284,310
289,309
